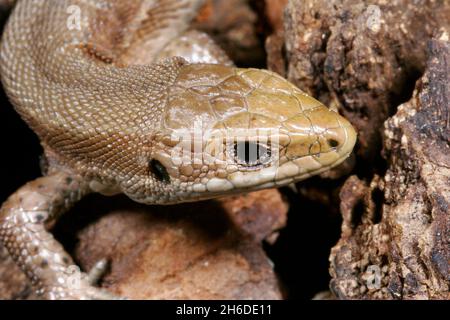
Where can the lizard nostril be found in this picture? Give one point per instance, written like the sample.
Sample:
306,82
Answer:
159,171
333,143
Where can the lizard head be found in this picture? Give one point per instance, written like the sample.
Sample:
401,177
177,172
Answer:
227,130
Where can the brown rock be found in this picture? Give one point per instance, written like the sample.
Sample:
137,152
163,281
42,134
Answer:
274,12
259,214
276,61
7,4
233,26
204,250
404,251
188,251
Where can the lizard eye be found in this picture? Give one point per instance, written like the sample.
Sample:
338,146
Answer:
333,143
251,154
159,171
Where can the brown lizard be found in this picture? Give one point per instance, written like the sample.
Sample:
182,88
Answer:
113,115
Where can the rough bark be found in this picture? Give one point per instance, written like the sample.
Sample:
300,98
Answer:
401,250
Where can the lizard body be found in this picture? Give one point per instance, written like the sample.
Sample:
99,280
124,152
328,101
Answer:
88,76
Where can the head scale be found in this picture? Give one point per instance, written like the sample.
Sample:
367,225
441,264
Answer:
227,130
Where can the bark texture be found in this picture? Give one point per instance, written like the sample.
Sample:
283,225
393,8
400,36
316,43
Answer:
400,247
363,58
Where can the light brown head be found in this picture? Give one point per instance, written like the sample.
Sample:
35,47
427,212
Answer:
226,130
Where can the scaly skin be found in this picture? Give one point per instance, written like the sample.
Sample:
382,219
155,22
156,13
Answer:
112,119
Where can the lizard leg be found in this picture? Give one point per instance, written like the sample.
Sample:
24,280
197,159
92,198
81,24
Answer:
24,219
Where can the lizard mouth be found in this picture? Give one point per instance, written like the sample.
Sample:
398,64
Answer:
290,171
259,173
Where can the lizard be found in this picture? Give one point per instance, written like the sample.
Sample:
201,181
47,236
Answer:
117,109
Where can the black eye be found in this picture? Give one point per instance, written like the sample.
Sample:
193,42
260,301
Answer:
159,171
249,154
333,143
